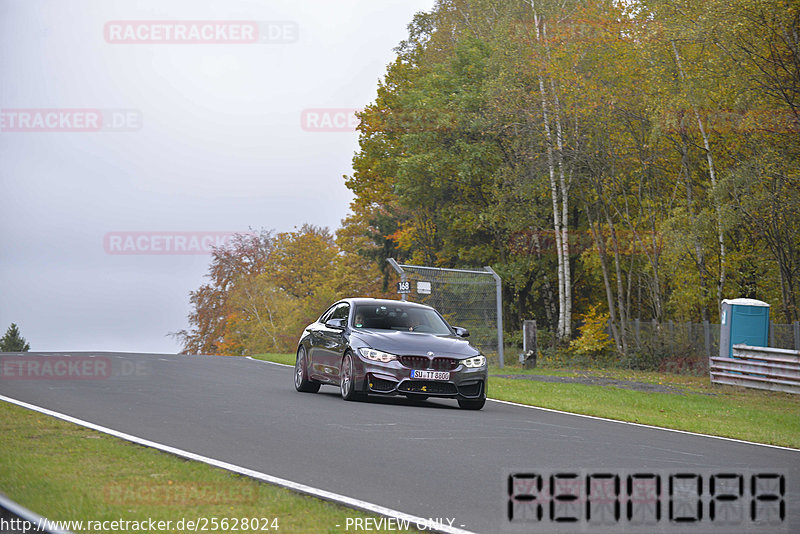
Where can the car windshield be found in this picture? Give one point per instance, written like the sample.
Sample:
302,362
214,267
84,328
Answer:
400,317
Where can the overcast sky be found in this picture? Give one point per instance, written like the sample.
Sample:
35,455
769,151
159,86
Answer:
122,153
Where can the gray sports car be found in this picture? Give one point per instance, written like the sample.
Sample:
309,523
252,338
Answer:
387,347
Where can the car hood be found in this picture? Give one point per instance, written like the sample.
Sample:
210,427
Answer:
413,343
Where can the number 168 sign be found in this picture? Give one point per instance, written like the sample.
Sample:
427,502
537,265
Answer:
404,287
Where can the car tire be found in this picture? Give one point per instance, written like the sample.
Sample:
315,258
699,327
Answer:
347,383
301,381
471,404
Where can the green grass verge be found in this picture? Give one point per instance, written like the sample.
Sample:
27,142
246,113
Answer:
288,359
699,406
67,472
764,418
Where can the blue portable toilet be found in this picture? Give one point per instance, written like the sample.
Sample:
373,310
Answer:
743,321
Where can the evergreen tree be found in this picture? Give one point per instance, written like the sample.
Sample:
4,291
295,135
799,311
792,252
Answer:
13,341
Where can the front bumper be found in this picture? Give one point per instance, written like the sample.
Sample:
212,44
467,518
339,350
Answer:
393,378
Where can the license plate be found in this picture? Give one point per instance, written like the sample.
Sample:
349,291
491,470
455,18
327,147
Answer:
430,375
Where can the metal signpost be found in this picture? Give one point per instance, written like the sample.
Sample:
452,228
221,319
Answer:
468,298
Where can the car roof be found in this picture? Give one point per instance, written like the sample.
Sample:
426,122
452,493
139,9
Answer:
383,302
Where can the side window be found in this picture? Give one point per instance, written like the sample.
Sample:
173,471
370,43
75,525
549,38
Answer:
328,313
341,311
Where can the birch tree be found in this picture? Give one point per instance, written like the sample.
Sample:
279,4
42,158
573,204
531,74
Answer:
559,185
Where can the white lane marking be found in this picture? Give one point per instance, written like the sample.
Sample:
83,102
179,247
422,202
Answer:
613,420
288,484
267,361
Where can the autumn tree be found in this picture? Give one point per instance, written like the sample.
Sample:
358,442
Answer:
245,256
268,287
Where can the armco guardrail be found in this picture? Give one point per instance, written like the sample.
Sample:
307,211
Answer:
758,367
18,519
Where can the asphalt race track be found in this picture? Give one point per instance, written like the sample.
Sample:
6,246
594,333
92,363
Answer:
429,459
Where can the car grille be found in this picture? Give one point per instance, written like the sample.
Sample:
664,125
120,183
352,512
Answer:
423,362
379,384
423,386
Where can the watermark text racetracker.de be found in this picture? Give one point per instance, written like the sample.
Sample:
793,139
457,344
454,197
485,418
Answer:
201,32
177,493
166,242
329,119
69,367
191,524
70,120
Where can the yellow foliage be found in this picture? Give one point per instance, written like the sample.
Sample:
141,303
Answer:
593,339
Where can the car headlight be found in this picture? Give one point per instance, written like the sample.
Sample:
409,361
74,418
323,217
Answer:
376,355
477,361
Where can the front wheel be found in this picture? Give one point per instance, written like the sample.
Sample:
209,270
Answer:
347,379
471,404
301,381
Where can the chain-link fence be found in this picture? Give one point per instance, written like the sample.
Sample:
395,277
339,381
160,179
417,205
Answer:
466,298
680,347
784,336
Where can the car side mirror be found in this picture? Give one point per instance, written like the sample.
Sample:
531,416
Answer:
461,332
338,324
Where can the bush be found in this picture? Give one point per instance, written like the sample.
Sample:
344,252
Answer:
593,340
